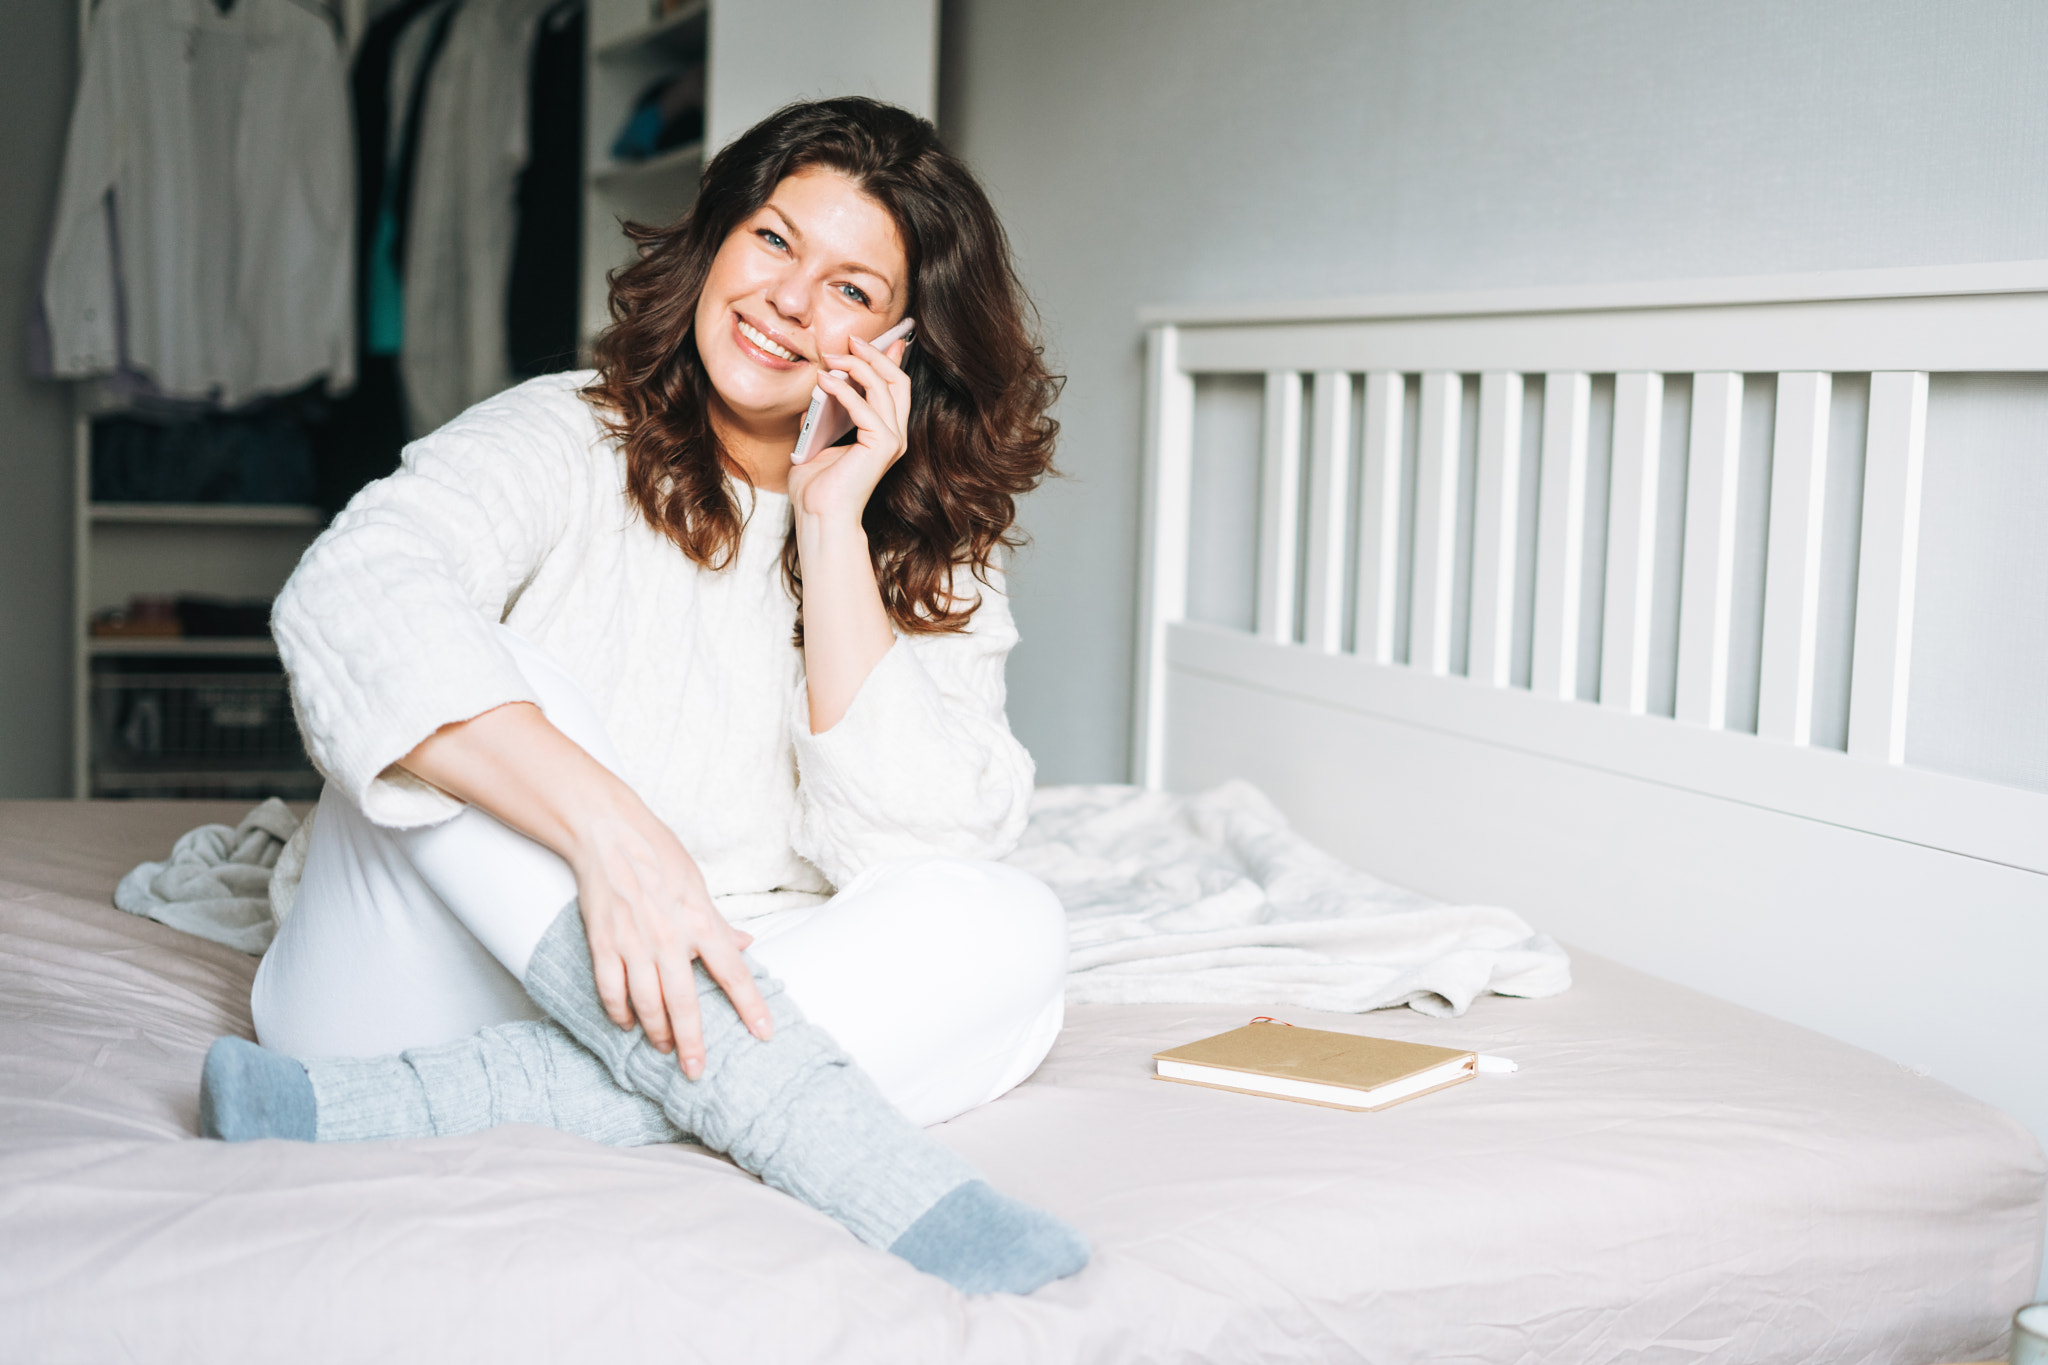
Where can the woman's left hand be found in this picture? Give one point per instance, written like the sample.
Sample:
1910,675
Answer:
834,485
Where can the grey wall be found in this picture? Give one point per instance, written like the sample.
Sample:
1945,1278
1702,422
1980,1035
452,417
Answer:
1185,150
38,59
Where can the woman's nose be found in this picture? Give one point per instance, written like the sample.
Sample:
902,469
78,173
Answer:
791,296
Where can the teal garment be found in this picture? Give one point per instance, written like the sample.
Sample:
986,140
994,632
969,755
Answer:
384,291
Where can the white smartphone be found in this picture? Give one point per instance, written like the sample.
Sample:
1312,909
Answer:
827,420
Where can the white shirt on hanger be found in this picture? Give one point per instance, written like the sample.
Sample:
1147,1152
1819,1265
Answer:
205,224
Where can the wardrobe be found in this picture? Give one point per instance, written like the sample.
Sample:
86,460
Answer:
464,272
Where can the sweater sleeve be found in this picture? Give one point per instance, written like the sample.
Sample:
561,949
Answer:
385,627
923,762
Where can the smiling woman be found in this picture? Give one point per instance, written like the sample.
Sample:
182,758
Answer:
828,222
600,673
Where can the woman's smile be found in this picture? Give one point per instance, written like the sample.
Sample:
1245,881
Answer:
765,347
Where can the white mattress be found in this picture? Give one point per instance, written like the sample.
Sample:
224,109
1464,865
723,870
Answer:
1667,1178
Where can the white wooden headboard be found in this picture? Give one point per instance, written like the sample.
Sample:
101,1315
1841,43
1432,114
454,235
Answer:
1903,909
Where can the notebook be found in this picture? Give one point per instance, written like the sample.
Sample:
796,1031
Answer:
1340,1070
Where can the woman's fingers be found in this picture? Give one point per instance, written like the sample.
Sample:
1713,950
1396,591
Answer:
679,985
871,423
722,959
679,991
846,391
606,965
883,383
645,986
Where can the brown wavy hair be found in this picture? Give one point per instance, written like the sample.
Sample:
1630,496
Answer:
978,434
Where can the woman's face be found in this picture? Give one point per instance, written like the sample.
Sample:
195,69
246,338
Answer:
818,262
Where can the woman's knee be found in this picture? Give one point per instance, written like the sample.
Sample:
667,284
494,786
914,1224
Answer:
988,919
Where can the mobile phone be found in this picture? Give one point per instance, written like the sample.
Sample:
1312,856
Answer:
827,420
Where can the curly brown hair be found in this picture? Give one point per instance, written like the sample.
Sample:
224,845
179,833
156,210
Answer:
978,434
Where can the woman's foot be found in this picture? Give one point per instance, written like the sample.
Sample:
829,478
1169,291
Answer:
248,1092
982,1242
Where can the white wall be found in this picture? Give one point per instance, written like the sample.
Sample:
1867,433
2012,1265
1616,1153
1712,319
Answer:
1191,150
38,54
1226,149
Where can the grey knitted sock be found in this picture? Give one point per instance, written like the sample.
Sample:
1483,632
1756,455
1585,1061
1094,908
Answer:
795,1111
528,1072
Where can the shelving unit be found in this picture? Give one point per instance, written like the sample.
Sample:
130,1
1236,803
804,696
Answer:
757,57
199,514
220,549
628,52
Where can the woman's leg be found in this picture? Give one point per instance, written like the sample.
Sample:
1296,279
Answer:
944,979
794,1111
402,939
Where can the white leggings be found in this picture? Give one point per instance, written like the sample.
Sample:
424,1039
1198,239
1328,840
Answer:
943,978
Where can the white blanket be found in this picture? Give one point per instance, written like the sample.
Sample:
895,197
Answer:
217,882
1208,899
1213,899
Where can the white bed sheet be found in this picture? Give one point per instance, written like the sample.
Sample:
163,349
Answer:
1668,1178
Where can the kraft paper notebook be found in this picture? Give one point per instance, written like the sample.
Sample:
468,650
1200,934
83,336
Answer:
1314,1066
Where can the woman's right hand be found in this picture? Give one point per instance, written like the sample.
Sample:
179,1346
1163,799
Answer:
648,916
646,911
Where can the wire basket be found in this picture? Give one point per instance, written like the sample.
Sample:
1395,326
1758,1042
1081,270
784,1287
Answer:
196,734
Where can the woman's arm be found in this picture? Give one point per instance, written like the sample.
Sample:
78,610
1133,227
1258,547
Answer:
645,906
927,764
846,628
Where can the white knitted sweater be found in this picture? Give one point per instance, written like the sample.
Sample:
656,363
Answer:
516,512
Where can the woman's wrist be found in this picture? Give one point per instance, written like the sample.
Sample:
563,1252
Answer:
828,534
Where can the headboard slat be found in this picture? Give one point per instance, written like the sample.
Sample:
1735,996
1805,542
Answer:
1889,561
1707,580
1560,535
1799,467
1437,475
1279,505
1631,542
1495,522
1329,504
1379,515
1163,565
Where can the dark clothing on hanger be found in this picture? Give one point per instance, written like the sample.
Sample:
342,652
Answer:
543,294
365,431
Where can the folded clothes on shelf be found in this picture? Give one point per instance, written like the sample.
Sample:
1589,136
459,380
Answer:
259,456
148,616
669,113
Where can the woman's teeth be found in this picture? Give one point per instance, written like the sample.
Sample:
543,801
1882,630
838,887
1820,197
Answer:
780,352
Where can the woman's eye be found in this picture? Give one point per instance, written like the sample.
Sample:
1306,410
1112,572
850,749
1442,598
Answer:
774,239
852,293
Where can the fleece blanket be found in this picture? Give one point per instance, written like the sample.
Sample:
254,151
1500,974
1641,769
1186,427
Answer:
1207,899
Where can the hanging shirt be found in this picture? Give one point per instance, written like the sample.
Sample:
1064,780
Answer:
204,232
459,234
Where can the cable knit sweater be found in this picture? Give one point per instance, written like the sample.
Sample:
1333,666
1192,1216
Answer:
516,511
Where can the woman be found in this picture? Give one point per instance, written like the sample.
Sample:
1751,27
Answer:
600,672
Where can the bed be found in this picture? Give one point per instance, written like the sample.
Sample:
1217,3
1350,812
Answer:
1669,1176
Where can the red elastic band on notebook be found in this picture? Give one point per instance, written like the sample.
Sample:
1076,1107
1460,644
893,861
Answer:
1269,1019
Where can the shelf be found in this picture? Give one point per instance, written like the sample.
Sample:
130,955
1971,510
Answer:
680,34
302,783
203,514
689,154
180,647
